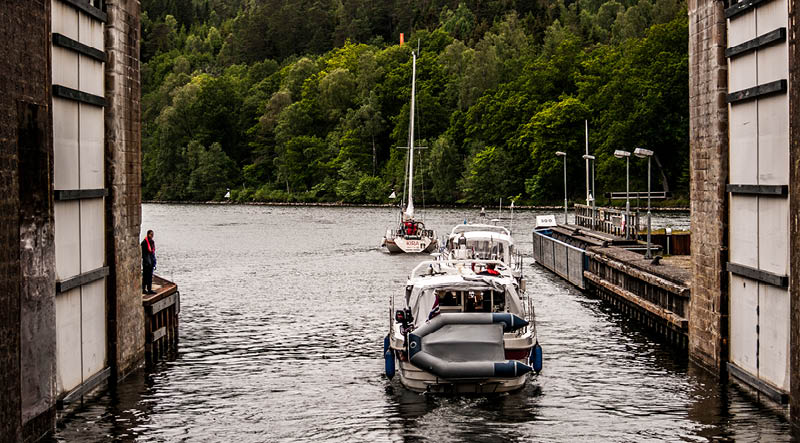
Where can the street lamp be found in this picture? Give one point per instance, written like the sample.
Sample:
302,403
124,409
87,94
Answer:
642,153
627,156
564,154
593,192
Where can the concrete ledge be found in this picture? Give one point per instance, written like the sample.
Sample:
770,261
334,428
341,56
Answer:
671,317
679,277
645,276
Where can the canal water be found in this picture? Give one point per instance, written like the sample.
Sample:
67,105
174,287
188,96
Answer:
283,311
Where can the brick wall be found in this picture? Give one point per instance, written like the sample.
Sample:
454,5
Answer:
27,280
708,135
123,178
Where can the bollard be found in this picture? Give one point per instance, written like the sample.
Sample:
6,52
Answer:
669,238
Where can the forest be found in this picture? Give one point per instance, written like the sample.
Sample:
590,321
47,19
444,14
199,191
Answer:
308,100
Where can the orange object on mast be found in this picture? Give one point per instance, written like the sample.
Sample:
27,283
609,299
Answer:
402,39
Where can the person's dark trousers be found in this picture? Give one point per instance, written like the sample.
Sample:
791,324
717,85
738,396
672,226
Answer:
147,278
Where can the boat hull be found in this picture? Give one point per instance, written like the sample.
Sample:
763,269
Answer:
410,245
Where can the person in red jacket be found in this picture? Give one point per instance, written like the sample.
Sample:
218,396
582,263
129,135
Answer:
489,271
148,263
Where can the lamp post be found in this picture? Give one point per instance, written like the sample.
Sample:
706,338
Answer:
642,153
593,192
564,154
627,156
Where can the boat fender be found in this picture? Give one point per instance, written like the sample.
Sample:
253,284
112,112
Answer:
388,358
536,358
414,345
511,368
510,321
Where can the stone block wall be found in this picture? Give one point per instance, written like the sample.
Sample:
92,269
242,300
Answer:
794,211
27,278
708,138
123,179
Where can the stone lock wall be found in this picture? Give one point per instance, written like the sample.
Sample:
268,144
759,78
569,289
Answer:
794,210
27,249
123,179
708,135
27,279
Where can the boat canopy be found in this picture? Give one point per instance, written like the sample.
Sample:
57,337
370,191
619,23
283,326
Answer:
422,299
476,227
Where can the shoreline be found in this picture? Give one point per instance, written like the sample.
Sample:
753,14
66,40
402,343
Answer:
387,205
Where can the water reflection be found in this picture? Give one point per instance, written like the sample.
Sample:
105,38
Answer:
283,314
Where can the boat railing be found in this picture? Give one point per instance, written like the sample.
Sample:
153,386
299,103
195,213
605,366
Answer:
608,220
518,257
420,233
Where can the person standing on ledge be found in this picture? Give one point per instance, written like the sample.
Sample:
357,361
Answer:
148,263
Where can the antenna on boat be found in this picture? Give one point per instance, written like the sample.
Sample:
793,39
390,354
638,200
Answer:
511,227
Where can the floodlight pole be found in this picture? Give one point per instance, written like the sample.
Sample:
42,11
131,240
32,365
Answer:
627,197
649,254
565,190
564,154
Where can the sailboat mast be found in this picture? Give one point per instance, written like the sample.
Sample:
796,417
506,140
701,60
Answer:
410,207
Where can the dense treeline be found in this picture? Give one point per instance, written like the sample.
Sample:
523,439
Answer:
306,100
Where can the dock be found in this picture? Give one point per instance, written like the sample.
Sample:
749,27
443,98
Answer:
656,293
161,312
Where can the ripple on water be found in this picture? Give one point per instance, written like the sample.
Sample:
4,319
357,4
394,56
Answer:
283,314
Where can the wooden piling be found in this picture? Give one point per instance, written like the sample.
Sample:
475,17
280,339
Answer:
161,312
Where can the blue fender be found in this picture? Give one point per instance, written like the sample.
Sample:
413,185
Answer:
388,358
536,358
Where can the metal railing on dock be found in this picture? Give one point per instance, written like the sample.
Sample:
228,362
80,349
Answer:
608,220
565,260
161,320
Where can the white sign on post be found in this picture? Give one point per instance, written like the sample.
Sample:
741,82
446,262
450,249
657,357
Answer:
546,221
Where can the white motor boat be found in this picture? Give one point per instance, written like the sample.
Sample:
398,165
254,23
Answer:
484,242
462,327
410,236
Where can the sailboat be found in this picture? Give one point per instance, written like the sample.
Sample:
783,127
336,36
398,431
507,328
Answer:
410,236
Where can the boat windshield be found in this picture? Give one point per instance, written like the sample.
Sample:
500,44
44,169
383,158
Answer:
487,250
471,301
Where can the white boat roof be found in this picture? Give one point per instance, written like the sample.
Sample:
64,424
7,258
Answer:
484,235
457,276
454,271
479,227
462,282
